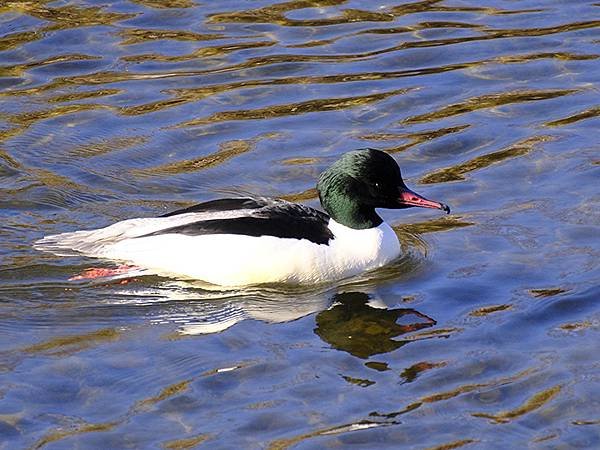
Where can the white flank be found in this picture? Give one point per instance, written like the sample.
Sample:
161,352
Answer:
92,242
232,260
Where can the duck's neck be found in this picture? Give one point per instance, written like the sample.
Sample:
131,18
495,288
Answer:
348,212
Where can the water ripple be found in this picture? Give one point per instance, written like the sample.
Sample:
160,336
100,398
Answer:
133,108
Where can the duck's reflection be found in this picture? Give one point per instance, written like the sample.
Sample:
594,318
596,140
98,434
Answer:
355,322
362,326
199,310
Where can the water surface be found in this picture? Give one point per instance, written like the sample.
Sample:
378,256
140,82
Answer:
484,335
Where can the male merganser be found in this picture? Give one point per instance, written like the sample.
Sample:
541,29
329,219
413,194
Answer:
246,241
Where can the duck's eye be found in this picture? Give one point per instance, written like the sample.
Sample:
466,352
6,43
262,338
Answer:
376,185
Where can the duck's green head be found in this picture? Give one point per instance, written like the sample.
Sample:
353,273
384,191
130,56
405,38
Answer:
363,180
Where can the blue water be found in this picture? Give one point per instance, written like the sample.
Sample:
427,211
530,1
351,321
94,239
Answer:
483,335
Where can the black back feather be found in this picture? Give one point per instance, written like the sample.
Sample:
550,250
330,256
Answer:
270,217
222,204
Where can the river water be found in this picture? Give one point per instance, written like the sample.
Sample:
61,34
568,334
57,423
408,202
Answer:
484,335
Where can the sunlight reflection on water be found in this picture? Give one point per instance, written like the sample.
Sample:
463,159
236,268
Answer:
481,336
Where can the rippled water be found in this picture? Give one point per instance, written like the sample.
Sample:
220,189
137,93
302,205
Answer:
484,335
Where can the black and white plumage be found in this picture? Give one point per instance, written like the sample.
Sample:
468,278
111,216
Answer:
245,241
261,217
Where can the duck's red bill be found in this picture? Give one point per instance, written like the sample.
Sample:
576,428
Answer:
410,198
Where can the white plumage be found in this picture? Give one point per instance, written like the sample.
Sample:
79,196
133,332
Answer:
229,259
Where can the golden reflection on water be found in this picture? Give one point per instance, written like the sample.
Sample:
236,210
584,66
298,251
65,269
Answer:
185,443
457,172
227,150
139,35
20,69
79,428
488,101
216,50
70,16
292,109
484,311
76,96
129,108
413,138
64,345
103,146
588,113
188,95
276,13
536,401
432,226
166,4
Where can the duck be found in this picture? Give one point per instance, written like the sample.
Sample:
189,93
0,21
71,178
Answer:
236,242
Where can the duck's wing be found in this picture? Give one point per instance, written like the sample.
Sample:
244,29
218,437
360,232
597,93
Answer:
248,216
226,204
262,217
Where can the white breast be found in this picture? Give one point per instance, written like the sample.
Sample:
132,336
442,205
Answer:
355,251
236,260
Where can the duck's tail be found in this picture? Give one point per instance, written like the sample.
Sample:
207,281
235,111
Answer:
93,242
73,243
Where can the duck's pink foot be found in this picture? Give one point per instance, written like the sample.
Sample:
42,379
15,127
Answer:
104,272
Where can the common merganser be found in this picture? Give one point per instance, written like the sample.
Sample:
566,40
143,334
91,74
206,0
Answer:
247,241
